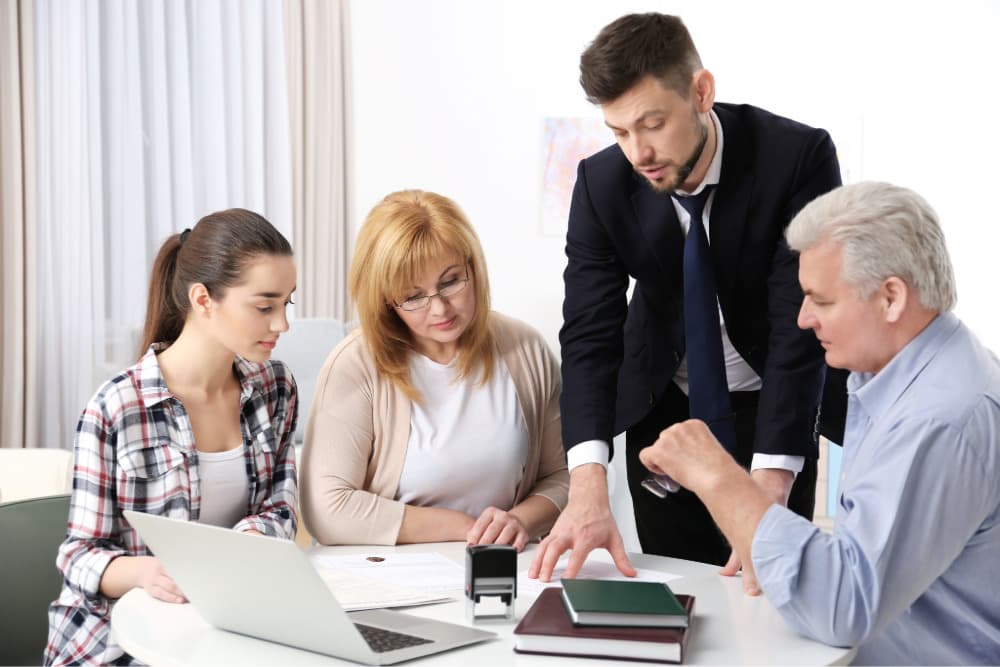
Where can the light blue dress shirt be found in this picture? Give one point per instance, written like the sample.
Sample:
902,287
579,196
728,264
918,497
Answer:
911,573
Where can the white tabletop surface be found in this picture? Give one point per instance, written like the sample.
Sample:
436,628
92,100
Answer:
728,628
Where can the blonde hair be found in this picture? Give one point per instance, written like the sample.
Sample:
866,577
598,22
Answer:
404,234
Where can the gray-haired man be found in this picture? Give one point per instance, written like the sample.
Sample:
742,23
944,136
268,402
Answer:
909,574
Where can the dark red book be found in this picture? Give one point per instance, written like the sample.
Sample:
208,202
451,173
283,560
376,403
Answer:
547,629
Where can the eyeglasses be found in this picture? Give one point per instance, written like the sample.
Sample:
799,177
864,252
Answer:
662,485
448,289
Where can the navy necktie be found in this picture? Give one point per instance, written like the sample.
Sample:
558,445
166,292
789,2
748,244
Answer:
708,390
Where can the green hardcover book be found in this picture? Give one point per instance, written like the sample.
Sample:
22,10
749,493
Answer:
546,628
623,603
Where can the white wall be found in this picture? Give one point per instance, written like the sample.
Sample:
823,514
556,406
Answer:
449,95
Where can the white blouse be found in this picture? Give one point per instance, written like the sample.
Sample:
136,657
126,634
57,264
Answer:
468,442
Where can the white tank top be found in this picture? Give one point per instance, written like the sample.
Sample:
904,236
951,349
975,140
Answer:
468,442
225,491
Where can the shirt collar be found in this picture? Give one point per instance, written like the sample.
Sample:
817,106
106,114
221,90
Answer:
149,378
877,392
251,378
153,387
714,172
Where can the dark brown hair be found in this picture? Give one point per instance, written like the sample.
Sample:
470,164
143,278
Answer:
215,254
636,45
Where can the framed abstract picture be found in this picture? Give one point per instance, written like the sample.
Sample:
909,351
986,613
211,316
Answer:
565,142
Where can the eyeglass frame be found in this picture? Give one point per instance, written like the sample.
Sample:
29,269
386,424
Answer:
460,283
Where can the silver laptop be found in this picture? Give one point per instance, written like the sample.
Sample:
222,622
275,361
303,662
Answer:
267,588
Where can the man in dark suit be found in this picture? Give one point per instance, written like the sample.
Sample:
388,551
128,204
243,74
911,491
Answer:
632,364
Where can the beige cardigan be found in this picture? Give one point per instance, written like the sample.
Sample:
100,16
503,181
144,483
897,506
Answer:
359,426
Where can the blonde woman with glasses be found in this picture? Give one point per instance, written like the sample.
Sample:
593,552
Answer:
437,419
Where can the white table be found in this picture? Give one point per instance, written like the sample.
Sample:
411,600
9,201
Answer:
729,627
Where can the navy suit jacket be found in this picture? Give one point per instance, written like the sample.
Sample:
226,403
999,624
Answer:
618,357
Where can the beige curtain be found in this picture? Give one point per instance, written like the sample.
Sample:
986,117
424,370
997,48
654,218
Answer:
18,403
316,40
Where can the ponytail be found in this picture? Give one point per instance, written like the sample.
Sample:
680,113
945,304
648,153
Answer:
164,317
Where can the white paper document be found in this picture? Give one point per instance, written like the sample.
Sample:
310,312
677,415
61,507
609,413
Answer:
422,572
362,585
598,566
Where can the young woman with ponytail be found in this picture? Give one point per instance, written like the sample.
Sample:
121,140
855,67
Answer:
199,428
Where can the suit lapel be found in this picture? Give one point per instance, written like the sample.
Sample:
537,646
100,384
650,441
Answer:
728,217
659,225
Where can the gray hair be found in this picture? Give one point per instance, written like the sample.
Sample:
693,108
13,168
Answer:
883,230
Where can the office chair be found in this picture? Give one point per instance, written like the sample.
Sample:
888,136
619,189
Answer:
31,472
304,347
32,531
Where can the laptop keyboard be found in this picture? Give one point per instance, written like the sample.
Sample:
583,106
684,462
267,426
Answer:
381,640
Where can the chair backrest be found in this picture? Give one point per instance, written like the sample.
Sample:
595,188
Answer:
32,531
304,347
30,472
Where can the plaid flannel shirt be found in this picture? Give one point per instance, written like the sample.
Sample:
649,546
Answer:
135,450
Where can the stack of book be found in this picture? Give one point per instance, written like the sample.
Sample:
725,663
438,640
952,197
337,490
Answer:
628,620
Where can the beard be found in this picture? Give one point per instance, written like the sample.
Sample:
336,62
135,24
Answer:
685,169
